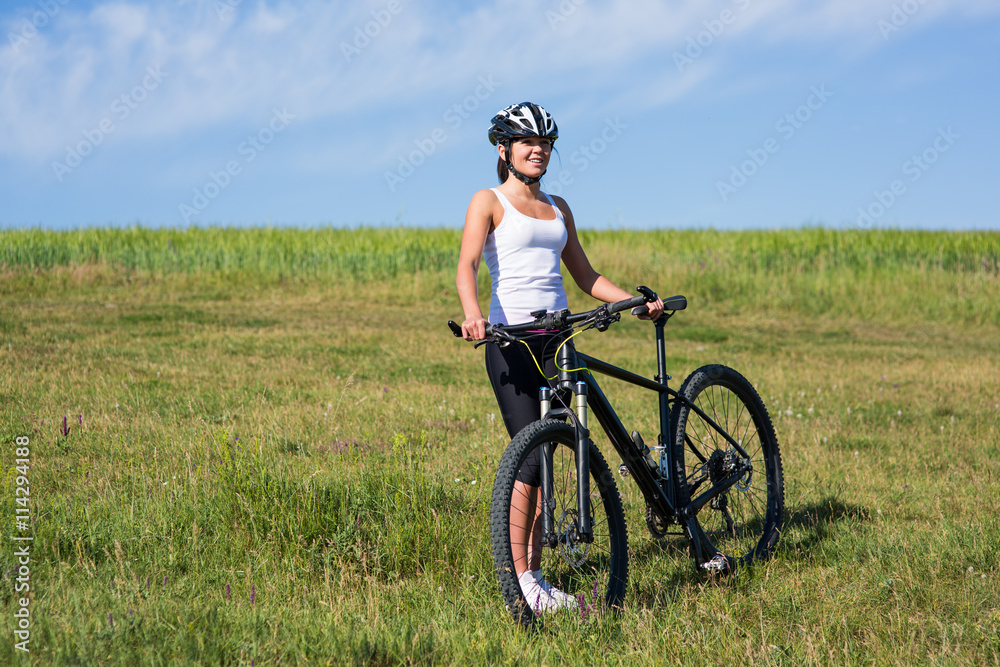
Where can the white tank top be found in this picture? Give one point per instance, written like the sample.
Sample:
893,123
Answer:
523,256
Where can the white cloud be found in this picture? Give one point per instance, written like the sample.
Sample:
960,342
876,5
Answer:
328,59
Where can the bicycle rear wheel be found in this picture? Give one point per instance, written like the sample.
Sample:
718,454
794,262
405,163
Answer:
745,521
594,572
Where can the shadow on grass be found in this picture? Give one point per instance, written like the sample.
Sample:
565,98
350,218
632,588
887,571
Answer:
805,528
814,523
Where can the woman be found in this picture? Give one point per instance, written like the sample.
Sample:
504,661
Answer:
523,234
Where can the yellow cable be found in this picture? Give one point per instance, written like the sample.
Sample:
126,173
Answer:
568,370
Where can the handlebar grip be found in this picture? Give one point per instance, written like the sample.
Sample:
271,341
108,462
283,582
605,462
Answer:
455,328
625,304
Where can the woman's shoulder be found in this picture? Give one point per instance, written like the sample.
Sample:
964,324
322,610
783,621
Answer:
485,198
485,194
560,203
485,203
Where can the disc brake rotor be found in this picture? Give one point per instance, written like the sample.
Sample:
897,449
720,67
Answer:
572,549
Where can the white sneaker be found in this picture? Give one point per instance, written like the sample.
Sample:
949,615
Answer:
564,600
538,600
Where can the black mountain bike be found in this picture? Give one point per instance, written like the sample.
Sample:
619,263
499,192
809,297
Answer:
714,474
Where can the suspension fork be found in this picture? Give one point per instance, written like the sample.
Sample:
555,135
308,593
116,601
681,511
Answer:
566,361
584,527
547,500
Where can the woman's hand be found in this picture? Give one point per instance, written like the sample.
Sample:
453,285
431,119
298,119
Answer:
653,310
474,328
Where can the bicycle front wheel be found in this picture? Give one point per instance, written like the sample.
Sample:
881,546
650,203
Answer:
744,522
592,572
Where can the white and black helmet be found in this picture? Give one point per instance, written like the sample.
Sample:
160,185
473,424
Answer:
522,120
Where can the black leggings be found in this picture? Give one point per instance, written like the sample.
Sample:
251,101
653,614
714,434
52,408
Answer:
516,382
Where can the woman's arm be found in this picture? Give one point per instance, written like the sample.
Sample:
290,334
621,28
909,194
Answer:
585,276
478,223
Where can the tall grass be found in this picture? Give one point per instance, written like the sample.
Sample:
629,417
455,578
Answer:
272,252
278,454
391,251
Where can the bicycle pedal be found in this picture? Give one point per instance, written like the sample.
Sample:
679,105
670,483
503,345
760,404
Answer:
717,565
623,470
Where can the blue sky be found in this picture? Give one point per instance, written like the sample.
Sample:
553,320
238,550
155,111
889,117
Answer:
729,114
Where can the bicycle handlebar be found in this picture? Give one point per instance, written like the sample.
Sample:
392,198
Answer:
545,321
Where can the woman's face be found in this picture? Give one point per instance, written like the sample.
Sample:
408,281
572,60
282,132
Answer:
530,156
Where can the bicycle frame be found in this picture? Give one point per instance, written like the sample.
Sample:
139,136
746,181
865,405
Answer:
662,497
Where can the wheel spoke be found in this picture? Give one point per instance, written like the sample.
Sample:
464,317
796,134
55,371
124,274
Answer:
743,520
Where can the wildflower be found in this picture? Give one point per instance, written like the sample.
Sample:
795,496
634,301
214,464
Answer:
253,595
228,595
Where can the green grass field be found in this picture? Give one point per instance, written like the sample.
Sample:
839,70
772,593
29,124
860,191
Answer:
264,446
